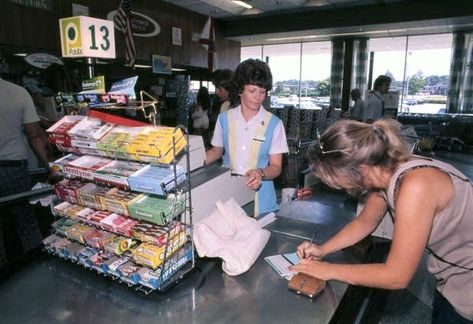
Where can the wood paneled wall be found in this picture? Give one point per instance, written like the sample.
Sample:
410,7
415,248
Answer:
38,29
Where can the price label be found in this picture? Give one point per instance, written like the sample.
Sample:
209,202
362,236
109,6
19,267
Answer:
83,36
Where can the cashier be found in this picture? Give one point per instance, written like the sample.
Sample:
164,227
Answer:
430,202
251,139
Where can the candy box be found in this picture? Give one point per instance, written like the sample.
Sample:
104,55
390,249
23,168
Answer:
87,195
77,231
116,200
83,256
66,190
60,209
155,234
58,133
127,272
97,216
119,245
58,165
118,224
98,261
157,180
72,250
114,263
153,256
156,210
62,225
116,173
85,166
49,241
97,238
58,245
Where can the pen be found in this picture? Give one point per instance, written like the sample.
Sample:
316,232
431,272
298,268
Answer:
311,241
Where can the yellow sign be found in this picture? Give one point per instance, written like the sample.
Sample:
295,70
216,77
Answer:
83,36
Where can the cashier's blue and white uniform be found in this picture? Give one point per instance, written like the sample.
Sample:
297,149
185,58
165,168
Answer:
248,145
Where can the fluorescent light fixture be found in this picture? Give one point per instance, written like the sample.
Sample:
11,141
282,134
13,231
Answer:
20,54
178,70
243,4
143,66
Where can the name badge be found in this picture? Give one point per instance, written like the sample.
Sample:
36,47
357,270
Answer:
259,138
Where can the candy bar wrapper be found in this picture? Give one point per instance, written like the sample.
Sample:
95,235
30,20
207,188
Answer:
114,263
76,232
98,260
58,245
66,190
118,224
62,225
83,257
96,217
72,250
127,272
116,173
75,210
155,234
154,278
153,256
119,245
60,209
84,214
85,166
58,165
117,201
58,133
97,238
49,241
87,195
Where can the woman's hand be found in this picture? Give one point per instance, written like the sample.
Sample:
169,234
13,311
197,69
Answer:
309,251
254,179
317,269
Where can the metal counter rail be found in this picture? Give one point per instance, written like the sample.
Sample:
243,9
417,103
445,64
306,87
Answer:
25,196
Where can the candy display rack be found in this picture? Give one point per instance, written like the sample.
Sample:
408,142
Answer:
118,232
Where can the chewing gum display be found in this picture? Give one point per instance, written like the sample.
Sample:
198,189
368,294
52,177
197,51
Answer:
58,165
116,200
154,234
155,209
116,173
153,256
85,166
58,133
157,180
87,195
62,225
118,224
118,245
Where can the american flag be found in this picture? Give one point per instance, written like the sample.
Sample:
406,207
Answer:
122,20
207,39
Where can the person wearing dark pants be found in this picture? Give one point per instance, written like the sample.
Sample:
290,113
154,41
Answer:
19,229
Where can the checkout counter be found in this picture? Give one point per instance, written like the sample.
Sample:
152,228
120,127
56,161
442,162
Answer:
46,289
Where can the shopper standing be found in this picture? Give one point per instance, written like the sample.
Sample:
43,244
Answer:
374,104
18,118
200,118
357,110
252,138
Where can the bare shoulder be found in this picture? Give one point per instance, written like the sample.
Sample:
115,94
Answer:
428,181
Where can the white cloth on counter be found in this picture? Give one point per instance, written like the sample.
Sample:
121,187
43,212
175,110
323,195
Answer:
228,233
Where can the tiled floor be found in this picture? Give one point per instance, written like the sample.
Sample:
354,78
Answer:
411,305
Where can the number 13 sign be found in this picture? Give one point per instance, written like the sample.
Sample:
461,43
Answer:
83,36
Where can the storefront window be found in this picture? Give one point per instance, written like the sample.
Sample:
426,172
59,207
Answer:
315,74
255,52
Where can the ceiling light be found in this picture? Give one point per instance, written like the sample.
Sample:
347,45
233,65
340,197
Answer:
178,70
20,54
142,66
243,4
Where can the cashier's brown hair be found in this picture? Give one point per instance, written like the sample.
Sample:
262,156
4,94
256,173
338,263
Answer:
337,155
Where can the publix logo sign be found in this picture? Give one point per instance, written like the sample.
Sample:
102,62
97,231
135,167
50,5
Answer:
141,25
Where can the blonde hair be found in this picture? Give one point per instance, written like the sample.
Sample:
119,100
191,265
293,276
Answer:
337,156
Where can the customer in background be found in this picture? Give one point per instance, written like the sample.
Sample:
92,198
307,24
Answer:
357,110
18,118
326,117
252,139
374,104
222,80
200,119
430,201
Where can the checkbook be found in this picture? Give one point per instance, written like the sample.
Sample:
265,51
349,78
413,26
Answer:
281,263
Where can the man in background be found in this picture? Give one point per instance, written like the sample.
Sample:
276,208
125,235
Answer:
19,229
357,110
374,105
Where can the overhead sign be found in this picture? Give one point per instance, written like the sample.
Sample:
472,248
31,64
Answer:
125,86
43,60
141,25
83,36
